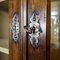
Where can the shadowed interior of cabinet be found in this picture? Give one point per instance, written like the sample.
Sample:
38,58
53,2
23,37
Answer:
4,40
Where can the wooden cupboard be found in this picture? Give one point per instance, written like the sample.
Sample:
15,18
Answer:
27,47
30,30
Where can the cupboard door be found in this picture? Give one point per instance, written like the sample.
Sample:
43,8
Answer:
34,26
15,43
37,47
28,36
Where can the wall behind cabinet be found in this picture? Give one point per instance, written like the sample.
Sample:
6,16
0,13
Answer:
3,24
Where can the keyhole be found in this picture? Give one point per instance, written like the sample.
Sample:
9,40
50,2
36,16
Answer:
33,29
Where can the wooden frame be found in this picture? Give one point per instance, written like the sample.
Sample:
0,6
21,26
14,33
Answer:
20,51
48,29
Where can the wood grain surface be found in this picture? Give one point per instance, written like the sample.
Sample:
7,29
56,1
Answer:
15,49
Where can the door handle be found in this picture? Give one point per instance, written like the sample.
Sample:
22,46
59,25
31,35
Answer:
34,29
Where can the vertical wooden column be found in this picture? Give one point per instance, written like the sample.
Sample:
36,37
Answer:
15,49
23,23
48,29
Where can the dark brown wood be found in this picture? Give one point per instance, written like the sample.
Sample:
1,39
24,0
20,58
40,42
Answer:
27,7
40,52
48,29
15,49
23,50
23,22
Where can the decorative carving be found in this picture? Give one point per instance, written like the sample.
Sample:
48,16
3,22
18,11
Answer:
15,26
35,28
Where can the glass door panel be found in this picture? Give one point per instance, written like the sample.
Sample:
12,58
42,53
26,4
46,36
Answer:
55,30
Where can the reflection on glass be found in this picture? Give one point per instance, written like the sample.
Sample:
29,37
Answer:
55,30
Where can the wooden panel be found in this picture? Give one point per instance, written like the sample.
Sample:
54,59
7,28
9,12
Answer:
23,50
40,52
23,22
48,29
15,49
